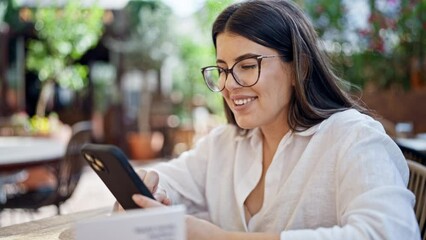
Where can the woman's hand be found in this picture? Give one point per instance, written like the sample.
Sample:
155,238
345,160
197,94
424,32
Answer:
150,179
196,228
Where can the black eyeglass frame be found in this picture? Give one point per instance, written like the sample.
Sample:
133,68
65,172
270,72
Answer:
259,59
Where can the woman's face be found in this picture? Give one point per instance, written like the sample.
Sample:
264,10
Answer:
266,103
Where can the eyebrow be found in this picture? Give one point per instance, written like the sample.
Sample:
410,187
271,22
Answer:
239,58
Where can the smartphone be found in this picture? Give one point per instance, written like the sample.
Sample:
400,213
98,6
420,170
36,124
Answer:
115,170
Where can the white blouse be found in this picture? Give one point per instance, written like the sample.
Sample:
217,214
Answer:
341,179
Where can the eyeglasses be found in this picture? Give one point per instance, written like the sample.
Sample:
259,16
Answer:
246,73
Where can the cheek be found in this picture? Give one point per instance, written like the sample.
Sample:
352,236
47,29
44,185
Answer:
280,90
225,96
280,82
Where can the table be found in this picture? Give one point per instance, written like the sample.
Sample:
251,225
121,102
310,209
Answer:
57,227
418,144
20,152
413,148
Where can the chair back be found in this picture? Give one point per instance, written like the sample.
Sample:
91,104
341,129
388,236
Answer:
417,184
71,167
68,174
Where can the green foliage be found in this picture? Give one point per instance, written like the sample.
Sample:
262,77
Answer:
388,52
3,10
329,16
188,79
134,8
9,13
197,51
210,11
150,40
64,35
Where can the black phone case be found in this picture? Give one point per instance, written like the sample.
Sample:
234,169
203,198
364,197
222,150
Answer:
113,167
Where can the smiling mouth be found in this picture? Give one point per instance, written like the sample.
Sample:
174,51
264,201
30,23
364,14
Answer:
241,102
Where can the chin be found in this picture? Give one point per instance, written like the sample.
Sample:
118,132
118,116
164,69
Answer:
245,125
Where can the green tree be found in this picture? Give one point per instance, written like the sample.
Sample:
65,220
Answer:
388,51
146,44
3,10
64,35
196,50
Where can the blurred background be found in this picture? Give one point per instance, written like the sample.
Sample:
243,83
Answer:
132,67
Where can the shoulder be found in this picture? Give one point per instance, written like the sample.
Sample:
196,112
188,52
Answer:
362,140
352,122
353,132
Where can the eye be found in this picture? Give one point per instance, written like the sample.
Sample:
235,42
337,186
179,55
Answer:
249,66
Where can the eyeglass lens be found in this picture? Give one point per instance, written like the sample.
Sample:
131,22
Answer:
245,73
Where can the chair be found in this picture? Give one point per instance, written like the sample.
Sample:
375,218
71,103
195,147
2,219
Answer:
71,168
417,184
68,174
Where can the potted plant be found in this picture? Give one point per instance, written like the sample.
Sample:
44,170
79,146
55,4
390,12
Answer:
143,52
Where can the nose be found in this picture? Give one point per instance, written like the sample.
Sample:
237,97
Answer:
231,83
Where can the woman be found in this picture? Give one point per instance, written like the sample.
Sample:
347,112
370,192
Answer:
298,159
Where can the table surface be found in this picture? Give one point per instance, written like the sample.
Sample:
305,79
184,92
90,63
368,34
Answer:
57,227
418,144
25,150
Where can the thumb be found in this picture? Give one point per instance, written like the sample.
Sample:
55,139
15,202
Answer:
145,202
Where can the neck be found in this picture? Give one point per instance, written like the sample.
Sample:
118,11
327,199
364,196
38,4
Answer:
274,131
272,136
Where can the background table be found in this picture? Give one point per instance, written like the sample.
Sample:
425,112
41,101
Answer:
20,152
413,148
418,144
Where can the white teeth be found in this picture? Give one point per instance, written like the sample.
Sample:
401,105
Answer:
240,102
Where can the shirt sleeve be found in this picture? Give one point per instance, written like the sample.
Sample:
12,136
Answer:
184,178
373,201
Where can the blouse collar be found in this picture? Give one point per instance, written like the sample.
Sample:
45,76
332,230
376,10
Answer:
256,134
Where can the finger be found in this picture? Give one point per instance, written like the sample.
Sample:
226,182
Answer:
167,202
145,202
142,173
117,207
151,180
161,196
120,208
